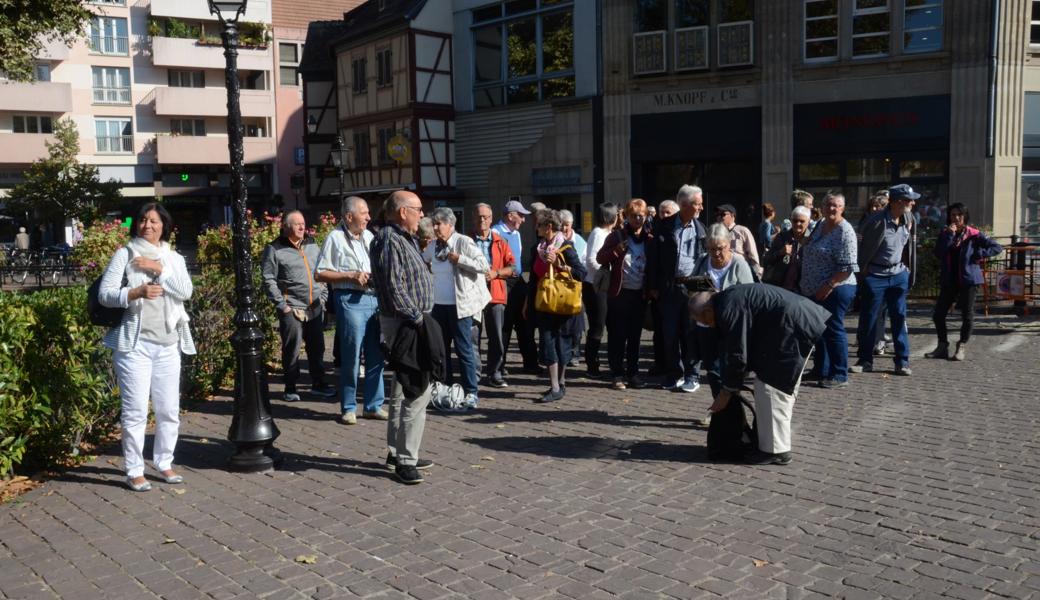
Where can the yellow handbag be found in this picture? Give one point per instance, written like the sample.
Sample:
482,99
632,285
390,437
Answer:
558,294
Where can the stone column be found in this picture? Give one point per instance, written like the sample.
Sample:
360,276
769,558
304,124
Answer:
779,37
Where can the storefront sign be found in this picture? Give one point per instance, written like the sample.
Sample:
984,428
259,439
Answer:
550,181
884,125
702,99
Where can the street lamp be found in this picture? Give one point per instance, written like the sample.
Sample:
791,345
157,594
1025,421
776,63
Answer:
252,428
312,125
339,160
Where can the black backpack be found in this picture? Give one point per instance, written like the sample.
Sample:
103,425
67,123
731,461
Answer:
99,314
729,435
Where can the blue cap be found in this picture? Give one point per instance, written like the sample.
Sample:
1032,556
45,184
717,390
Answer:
902,192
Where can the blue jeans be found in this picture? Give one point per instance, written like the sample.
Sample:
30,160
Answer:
357,325
890,290
458,331
832,351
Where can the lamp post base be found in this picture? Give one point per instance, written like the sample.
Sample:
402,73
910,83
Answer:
250,458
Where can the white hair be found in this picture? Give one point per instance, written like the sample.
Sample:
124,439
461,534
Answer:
717,232
687,193
667,205
801,211
350,204
481,205
567,216
443,215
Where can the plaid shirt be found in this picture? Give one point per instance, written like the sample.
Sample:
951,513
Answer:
402,280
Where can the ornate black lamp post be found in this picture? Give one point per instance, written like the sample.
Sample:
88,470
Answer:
339,160
252,428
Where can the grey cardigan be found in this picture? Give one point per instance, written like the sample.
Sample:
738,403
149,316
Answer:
872,230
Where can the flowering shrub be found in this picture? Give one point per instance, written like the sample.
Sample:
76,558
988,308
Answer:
100,241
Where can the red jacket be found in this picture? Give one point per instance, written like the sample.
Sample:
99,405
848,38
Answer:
501,257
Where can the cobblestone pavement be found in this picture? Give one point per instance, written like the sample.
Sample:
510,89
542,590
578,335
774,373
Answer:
920,487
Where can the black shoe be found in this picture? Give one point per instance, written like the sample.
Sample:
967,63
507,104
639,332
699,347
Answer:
833,384
636,382
408,474
765,458
551,396
421,465
861,367
323,390
497,383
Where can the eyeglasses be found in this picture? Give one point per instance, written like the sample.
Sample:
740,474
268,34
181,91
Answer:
484,217
417,209
718,249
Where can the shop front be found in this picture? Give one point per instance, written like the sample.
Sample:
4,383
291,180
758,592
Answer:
861,147
1029,218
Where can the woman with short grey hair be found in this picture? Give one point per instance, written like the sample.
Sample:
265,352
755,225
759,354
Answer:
425,233
459,294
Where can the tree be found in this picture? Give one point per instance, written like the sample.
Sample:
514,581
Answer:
58,187
25,25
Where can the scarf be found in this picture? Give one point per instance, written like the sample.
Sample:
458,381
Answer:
544,246
173,311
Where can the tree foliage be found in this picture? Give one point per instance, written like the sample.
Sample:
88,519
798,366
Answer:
25,25
59,187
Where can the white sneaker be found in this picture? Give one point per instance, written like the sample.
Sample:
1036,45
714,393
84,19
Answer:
470,401
348,418
291,397
673,385
691,384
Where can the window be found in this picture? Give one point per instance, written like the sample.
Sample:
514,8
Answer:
384,67
870,28
362,149
821,30
525,56
735,33
114,136
111,85
180,78
109,2
289,63
359,75
43,72
187,127
1034,23
32,124
687,25
108,36
252,80
256,127
692,21
385,135
922,25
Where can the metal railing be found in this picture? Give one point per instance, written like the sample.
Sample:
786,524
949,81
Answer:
111,95
47,267
110,45
120,144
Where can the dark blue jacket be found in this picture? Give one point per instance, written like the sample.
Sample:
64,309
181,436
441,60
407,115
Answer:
964,260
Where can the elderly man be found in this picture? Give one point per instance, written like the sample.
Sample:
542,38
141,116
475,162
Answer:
508,228
289,284
743,240
678,243
460,294
887,260
501,266
345,264
412,339
771,332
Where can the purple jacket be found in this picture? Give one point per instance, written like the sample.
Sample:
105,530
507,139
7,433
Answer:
964,259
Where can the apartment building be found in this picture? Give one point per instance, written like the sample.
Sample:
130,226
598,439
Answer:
751,99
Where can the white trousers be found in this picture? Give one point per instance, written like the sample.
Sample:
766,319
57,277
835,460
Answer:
149,370
773,409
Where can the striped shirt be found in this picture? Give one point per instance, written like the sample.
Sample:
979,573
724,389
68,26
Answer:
402,280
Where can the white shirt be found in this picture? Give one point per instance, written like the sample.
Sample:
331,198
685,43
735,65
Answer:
634,266
342,252
443,281
595,242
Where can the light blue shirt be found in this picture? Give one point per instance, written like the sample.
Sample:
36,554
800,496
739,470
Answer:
513,239
342,252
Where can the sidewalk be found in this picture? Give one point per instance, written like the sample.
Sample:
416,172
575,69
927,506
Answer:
920,487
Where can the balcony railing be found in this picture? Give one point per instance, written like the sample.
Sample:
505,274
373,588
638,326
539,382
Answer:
111,95
116,144
110,45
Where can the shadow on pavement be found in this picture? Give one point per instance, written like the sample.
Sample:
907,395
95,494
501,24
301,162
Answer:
485,415
594,447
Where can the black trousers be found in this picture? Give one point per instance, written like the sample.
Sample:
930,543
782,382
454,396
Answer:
965,298
293,334
624,328
514,321
596,314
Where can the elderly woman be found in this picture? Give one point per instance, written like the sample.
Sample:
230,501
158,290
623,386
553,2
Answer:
594,288
425,233
625,251
783,262
960,250
828,265
572,237
555,331
149,279
460,293
726,269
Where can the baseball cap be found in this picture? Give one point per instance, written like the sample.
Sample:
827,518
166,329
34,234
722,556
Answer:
902,192
726,208
515,206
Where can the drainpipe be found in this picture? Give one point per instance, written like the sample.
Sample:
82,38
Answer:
991,116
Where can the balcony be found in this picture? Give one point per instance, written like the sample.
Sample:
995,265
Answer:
53,50
184,53
210,150
39,97
112,45
112,95
210,102
115,144
258,11
23,148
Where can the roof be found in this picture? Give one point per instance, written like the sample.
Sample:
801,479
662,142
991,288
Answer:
376,15
317,55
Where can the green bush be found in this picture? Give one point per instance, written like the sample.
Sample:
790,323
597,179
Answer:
56,384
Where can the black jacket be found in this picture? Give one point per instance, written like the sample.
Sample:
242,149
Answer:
768,330
415,352
662,255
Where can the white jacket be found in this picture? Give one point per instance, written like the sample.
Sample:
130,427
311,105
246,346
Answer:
471,289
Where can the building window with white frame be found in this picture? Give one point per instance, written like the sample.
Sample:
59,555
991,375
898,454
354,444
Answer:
692,25
871,25
32,124
735,33
821,30
922,26
190,79
114,135
384,67
686,26
108,35
42,71
289,63
523,52
649,43
195,127
111,85
359,75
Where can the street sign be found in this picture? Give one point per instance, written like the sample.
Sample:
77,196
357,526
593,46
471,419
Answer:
299,156
398,148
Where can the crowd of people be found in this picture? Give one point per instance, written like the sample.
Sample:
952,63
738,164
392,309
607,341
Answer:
407,293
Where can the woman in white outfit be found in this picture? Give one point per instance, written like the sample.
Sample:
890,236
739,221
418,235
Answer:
149,280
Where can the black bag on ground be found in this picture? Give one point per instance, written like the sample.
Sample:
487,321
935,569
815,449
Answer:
100,314
729,435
